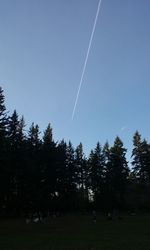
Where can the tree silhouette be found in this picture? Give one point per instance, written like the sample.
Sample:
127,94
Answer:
4,166
116,174
38,174
96,173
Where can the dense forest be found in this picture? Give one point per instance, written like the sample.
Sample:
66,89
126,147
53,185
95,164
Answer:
39,174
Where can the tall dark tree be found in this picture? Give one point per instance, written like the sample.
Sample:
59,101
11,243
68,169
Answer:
106,192
48,138
61,187
140,181
33,136
68,176
116,174
146,159
49,178
81,167
13,131
21,130
70,168
136,154
3,116
21,163
4,168
106,154
13,157
16,158
141,158
79,162
33,169
96,172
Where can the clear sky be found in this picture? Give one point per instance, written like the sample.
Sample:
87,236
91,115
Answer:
43,44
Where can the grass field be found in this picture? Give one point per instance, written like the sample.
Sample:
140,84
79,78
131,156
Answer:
77,232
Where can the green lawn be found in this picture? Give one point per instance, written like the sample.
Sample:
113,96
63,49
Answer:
76,232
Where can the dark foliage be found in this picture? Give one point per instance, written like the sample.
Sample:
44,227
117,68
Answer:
39,175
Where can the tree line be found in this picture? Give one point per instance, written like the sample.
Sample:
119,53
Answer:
39,174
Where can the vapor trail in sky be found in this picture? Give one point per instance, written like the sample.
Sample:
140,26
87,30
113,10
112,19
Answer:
86,59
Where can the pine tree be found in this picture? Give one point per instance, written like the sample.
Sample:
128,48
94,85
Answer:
96,172
141,158
106,154
21,130
21,164
48,138
140,181
48,168
61,186
146,147
106,188
81,167
71,189
116,174
3,116
16,158
33,137
33,169
70,167
13,131
4,168
79,162
13,159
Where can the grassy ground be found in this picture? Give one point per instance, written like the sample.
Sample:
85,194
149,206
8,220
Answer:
76,232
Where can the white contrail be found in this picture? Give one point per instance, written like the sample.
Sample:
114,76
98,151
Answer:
86,59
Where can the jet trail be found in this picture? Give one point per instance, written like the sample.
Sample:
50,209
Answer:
86,59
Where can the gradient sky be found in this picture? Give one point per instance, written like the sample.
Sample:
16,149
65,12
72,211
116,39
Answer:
43,44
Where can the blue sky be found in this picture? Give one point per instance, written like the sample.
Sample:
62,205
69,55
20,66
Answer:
43,44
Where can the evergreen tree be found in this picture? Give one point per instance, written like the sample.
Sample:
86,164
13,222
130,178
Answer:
81,167
21,131
61,187
4,169
70,178
116,174
48,169
70,168
13,131
141,158
22,164
146,153
48,138
15,159
136,154
106,154
3,117
96,172
33,170
140,182
106,192
33,137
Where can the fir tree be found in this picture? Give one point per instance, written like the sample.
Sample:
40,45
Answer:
141,158
116,174
96,172
81,167
4,166
3,116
